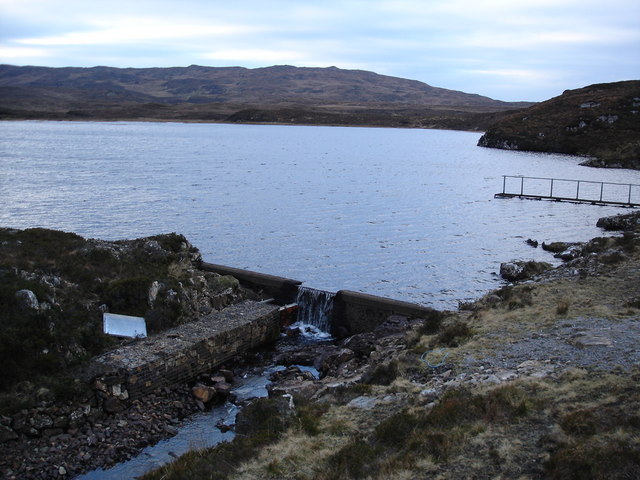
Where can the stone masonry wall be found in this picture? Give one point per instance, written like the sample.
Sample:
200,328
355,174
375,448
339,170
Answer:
181,354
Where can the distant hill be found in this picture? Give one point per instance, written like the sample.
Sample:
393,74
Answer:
280,94
600,121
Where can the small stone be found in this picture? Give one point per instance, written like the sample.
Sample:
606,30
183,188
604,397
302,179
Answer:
429,392
505,375
365,403
590,340
113,405
527,364
62,471
40,421
7,434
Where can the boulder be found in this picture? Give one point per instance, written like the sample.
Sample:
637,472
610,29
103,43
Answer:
517,270
227,374
27,300
364,403
332,359
40,421
223,389
620,222
203,393
571,253
556,247
297,388
298,357
362,344
113,405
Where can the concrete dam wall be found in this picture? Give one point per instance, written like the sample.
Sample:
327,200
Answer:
352,312
181,354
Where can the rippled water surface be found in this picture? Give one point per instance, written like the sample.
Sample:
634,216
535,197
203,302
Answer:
408,214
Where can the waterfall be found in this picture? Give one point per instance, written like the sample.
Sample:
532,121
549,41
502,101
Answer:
315,307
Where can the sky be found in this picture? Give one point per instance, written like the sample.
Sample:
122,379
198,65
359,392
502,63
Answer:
508,50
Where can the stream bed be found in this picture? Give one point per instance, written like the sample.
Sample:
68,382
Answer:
198,432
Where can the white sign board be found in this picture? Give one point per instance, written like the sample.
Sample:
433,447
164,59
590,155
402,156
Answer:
124,325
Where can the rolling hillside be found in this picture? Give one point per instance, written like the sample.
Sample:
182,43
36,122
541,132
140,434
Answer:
278,94
599,121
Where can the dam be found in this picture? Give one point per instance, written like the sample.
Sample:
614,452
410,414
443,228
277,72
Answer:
179,355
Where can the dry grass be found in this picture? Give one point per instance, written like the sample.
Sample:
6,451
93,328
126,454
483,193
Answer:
575,423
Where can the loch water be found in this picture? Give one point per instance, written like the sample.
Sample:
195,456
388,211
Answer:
407,214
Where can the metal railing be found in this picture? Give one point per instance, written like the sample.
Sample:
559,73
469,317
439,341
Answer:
603,193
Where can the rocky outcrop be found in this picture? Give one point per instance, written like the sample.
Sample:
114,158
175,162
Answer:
628,223
599,121
56,287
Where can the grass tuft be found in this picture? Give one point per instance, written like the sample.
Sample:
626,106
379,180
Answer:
453,335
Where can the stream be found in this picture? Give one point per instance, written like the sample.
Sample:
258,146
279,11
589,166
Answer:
201,430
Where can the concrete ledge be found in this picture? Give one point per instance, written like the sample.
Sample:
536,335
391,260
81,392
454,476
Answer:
282,289
356,312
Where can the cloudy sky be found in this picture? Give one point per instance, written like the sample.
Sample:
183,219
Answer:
504,49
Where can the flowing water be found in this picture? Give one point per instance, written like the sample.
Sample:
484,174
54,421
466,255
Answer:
315,308
198,432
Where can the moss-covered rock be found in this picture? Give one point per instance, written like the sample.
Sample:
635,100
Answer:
55,286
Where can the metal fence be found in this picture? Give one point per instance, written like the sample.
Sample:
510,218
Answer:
562,189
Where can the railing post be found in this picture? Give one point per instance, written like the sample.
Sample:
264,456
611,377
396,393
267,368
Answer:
504,183
578,190
551,192
601,189
630,194
521,185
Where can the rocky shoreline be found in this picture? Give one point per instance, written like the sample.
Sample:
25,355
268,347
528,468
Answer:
63,440
538,379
